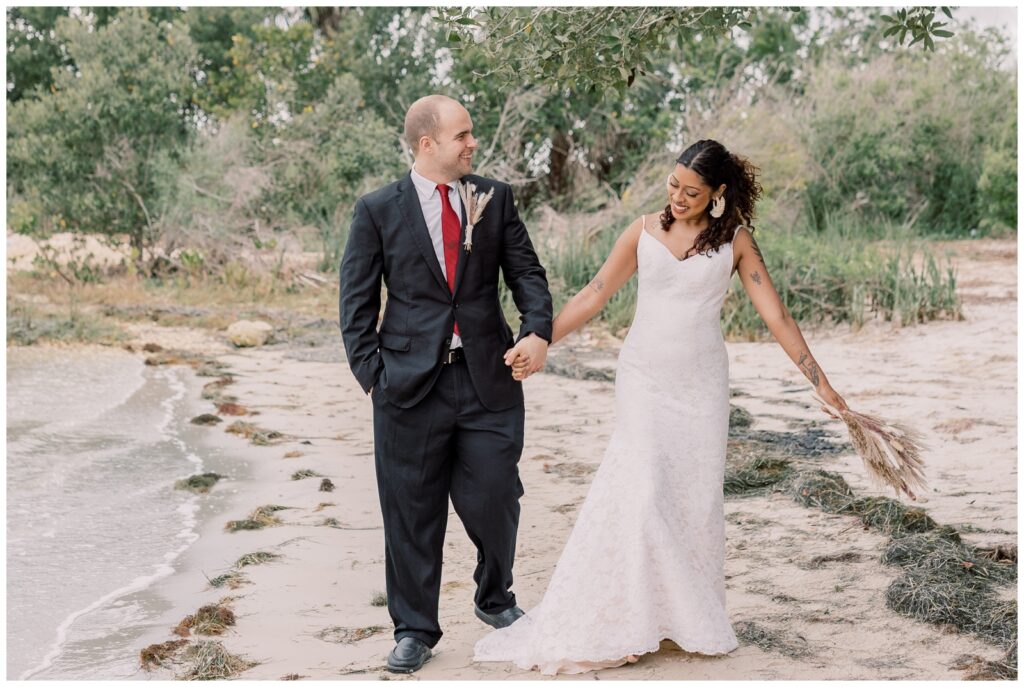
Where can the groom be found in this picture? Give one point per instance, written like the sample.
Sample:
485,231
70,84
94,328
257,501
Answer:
447,414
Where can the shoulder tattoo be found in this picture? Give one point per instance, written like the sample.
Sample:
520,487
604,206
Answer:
757,249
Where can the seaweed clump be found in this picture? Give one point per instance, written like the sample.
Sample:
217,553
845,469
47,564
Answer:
159,655
830,492
949,582
211,619
211,661
256,558
199,484
755,475
257,520
767,639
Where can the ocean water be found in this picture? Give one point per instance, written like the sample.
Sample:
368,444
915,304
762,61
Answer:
95,442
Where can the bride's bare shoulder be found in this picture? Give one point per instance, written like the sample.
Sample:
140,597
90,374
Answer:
652,220
641,223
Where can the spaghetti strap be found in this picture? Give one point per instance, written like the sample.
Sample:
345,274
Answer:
643,222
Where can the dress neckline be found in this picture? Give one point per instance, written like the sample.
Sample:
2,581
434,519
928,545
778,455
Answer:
669,250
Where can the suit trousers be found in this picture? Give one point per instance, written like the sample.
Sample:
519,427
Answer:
447,445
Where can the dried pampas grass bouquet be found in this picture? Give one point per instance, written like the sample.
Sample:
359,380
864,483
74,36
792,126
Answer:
891,452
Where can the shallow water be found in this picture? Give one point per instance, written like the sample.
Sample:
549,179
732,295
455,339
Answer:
95,442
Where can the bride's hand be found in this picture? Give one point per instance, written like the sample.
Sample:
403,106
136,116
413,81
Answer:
829,395
519,367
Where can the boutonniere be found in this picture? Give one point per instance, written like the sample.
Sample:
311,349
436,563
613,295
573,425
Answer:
473,203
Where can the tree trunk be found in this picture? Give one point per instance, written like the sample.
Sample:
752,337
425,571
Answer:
325,18
558,177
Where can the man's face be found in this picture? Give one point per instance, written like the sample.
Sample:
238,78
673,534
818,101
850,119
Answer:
452,152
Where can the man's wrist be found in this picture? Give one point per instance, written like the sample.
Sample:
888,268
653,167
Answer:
547,342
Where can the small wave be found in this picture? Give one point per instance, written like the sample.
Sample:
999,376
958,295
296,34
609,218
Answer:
136,585
188,509
51,382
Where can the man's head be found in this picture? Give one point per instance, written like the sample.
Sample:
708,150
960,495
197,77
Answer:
440,132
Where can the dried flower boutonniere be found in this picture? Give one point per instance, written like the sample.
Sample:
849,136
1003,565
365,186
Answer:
473,203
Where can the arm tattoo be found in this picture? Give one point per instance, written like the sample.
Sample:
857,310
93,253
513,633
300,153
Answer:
756,277
810,369
757,249
597,284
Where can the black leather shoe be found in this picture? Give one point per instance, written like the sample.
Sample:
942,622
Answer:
499,620
408,656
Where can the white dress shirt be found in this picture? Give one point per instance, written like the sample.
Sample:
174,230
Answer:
430,203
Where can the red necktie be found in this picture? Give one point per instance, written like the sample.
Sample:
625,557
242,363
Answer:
451,230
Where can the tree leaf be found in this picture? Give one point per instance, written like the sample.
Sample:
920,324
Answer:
942,33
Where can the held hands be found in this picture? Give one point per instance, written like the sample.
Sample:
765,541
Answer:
527,356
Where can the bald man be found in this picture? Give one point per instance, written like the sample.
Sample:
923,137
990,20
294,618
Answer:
447,413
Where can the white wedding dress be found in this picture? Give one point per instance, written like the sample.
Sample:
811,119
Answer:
645,560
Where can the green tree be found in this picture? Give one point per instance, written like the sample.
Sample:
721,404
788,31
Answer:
908,138
86,145
607,48
333,151
32,49
271,75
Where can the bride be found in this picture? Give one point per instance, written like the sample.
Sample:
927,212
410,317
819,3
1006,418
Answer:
645,560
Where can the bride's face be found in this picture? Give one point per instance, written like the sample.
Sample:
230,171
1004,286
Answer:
688,195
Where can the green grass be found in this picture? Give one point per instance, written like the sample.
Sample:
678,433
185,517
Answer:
831,279
845,275
28,325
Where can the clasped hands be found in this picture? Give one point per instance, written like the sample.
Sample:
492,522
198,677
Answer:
527,356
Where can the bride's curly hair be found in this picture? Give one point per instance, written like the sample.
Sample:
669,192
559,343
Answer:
717,166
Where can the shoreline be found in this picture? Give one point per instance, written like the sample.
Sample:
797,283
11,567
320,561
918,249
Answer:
310,613
182,400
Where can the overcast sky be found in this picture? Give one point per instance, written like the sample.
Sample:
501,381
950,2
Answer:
1003,18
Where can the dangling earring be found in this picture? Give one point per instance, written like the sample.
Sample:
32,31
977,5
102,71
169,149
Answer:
718,207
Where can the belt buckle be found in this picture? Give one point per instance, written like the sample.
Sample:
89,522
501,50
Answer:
454,355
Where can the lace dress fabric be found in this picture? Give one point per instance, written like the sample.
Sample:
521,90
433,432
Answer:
645,559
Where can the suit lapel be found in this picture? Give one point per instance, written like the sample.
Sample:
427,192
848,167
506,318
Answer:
460,267
413,213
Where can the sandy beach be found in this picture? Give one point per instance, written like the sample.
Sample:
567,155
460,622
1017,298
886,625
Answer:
309,613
